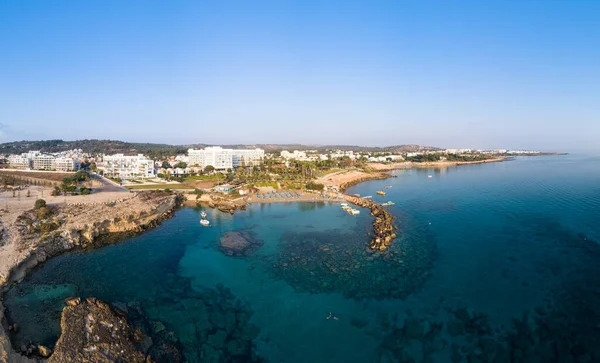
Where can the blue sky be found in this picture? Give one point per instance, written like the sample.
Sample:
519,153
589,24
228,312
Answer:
483,74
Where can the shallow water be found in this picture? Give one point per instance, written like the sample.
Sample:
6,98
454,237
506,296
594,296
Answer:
479,246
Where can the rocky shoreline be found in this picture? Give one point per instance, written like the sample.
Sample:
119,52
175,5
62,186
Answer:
37,235
373,176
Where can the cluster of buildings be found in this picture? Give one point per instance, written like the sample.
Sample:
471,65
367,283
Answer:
336,154
139,166
35,160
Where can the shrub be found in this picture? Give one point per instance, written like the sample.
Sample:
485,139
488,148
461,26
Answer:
47,227
167,190
85,191
314,186
40,203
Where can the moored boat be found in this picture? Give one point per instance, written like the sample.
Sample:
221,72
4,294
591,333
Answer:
203,214
204,222
381,192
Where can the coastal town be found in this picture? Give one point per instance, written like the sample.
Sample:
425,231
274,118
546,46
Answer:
225,170
53,202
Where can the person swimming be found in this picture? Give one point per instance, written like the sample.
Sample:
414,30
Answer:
331,316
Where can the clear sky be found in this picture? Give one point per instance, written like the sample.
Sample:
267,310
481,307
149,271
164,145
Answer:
482,74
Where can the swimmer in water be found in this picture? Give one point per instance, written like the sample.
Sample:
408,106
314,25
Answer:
331,316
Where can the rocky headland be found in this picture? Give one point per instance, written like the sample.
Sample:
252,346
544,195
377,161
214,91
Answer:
35,235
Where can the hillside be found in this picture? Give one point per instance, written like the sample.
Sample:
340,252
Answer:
158,150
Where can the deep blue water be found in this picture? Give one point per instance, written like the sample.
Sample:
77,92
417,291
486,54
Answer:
494,262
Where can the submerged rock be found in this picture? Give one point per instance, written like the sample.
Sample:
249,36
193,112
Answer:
239,244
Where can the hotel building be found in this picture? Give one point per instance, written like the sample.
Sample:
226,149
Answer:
121,166
223,159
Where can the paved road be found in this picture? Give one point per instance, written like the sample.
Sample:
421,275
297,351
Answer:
107,186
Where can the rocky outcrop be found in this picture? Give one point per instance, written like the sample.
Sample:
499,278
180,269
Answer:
383,226
93,332
239,243
225,205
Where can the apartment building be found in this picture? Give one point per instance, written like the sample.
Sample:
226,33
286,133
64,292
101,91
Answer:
44,162
122,166
66,164
19,162
223,159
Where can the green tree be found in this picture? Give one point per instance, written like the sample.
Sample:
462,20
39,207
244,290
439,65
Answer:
181,165
209,168
40,203
166,165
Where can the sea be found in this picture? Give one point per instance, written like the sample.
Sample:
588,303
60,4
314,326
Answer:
496,262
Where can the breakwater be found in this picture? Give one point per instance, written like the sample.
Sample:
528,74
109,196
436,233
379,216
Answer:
383,226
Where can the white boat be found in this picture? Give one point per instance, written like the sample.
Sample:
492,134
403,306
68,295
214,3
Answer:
343,204
203,214
388,203
354,211
430,176
368,197
204,222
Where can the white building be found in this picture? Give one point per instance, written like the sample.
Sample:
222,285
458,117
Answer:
247,157
44,162
298,155
223,159
19,162
121,166
66,164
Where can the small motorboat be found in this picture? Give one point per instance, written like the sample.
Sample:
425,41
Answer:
203,214
388,203
204,222
381,192
430,176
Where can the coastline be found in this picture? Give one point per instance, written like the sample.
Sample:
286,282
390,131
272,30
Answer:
433,164
86,224
97,232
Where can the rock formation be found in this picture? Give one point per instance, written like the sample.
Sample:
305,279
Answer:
93,332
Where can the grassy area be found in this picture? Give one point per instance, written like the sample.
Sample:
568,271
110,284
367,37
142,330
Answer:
159,186
266,184
212,177
330,171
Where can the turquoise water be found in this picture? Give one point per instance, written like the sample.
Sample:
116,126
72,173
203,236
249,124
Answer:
494,262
